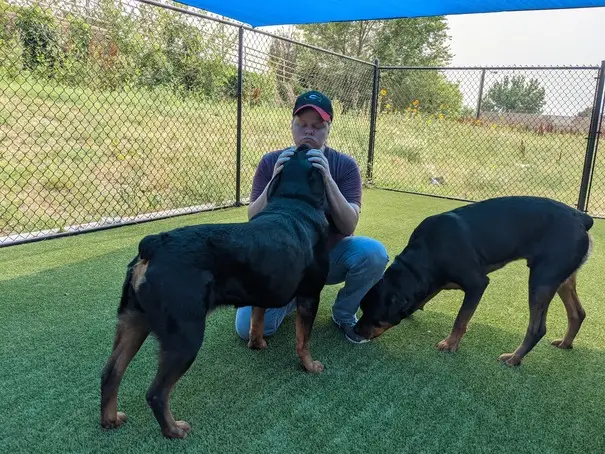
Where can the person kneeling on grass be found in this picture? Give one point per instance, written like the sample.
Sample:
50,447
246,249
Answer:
357,261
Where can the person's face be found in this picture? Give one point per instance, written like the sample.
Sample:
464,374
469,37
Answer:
308,127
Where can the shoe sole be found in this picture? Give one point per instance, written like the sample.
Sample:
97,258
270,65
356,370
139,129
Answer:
362,341
356,342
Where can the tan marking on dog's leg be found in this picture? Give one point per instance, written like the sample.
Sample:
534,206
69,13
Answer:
469,305
131,332
540,297
305,316
257,328
575,312
171,368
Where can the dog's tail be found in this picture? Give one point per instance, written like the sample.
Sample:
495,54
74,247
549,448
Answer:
127,290
135,271
149,245
588,221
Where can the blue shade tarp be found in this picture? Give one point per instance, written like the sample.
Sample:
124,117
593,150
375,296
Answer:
282,12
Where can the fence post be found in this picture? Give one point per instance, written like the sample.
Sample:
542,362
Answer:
593,139
480,100
238,160
373,114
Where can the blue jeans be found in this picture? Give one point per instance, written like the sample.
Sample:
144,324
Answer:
357,261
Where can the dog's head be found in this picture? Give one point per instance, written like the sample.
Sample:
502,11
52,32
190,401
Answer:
299,179
387,303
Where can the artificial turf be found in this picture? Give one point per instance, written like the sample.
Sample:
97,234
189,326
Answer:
58,303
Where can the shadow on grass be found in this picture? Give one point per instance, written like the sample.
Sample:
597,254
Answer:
395,394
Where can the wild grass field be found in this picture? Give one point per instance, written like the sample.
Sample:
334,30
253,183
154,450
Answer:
72,155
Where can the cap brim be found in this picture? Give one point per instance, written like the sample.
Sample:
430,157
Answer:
322,113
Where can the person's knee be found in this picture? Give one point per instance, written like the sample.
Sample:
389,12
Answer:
372,258
273,318
242,322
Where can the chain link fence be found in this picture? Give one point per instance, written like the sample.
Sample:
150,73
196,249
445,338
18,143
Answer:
114,112
120,111
125,114
596,185
290,69
476,133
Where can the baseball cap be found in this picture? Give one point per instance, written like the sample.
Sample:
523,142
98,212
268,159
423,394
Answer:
316,100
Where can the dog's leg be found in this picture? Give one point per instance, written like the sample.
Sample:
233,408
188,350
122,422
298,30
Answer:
257,327
472,295
306,310
541,293
131,332
177,353
427,299
575,312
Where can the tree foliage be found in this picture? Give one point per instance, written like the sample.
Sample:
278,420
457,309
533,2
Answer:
515,94
153,48
401,42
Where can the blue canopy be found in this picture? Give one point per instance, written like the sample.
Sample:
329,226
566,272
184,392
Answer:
285,12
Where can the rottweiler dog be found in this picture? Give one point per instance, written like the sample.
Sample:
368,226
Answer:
459,248
180,276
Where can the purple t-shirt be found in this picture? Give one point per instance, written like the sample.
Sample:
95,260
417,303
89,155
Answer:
344,170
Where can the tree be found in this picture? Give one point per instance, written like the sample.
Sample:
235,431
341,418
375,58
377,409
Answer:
586,112
515,94
282,60
418,41
355,39
413,42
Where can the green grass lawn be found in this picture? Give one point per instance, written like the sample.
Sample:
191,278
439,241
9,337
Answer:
58,303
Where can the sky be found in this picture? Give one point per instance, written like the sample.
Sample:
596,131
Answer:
556,37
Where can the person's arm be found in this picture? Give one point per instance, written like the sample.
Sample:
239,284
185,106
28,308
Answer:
260,183
344,213
259,204
345,203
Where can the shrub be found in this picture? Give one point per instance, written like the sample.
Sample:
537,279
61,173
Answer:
39,36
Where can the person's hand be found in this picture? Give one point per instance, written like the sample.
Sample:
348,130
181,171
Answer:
320,161
283,157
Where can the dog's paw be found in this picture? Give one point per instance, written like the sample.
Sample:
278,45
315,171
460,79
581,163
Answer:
560,344
315,367
180,430
114,423
257,344
447,345
509,359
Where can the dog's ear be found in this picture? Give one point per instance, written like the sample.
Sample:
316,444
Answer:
371,296
317,185
397,308
303,147
273,186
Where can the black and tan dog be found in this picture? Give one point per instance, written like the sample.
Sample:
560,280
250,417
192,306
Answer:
180,276
459,248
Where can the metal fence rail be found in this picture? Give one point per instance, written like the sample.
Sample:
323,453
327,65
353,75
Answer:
116,112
